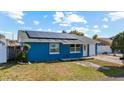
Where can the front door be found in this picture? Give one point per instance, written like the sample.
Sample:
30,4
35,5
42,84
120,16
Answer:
85,50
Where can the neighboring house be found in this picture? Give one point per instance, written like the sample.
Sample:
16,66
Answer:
48,46
104,45
3,55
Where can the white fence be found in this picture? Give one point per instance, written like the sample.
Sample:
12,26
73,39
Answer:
3,55
103,49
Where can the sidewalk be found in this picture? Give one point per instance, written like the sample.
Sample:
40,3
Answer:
109,58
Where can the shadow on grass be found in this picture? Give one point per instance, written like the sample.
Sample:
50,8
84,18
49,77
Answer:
12,63
60,61
49,62
115,71
7,65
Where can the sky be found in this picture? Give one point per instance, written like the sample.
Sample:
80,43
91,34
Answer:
103,23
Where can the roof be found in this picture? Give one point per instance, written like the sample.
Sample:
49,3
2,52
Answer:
49,35
104,41
12,42
40,36
87,40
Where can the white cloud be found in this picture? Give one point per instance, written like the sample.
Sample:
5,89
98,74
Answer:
25,28
95,26
58,17
20,22
105,19
39,29
105,26
116,15
49,30
68,13
96,30
64,24
76,18
45,16
36,22
68,18
16,15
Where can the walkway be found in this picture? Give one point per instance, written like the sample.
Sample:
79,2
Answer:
113,79
92,65
109,58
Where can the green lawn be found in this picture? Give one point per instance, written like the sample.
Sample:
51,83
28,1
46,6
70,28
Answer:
116,69
50,71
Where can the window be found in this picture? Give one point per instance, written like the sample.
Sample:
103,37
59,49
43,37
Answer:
74,48
78,48
54,48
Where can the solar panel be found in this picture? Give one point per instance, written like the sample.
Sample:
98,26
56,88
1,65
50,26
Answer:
50,35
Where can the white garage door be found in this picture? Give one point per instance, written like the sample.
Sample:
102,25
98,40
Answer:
3,57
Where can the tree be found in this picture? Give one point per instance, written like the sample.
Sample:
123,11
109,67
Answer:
118,43
63,31
95,36
76,32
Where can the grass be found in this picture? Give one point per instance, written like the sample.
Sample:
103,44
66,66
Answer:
55,71
116,69
49,71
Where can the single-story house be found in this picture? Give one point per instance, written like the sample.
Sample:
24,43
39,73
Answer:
48,46
3,48
104,45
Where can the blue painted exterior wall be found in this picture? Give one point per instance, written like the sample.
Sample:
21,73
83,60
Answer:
40,52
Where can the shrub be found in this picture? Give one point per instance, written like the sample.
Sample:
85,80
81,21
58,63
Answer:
22,55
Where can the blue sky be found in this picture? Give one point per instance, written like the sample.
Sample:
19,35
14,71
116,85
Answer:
105,24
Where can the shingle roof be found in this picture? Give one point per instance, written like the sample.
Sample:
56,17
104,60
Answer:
23,36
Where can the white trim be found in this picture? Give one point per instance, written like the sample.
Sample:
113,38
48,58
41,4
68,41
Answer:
75,52
54,52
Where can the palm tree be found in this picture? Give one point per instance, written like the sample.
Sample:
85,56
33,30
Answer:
63,31
95,36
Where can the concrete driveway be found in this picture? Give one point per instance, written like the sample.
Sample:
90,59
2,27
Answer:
114,79
109,58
